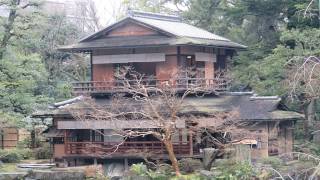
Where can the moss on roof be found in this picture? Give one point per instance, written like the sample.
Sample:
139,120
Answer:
248,108
278,114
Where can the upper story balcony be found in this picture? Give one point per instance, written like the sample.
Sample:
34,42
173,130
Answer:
179,68
179,85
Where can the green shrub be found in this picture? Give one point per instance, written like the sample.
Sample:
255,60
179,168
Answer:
189,165
194,176
224,162
154,175
25,153
43,152
14,155
165,169
27,143
237,171
163,172
139,169
275,162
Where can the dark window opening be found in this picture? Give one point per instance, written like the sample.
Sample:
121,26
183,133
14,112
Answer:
57,140
190,68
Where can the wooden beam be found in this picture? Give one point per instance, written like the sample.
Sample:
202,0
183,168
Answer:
65,141
180,139
91,67
190,143
178,54
2,138
126,164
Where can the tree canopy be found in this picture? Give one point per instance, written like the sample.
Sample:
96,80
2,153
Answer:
32,72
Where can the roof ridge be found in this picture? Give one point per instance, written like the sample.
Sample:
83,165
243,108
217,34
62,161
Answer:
150,15
68,101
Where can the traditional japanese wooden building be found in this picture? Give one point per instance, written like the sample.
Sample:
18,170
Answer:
160,46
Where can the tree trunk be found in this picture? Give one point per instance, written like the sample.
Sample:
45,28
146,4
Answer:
8,27
169,146
311,112
33,138
310,115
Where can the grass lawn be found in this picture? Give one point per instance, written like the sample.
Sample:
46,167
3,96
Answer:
8,167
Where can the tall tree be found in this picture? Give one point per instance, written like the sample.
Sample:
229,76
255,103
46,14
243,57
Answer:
11,23
61,67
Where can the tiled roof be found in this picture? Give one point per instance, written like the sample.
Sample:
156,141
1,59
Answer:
180,29
252,109
131,42
173,30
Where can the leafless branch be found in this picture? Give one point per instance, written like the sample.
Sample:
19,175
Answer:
155,110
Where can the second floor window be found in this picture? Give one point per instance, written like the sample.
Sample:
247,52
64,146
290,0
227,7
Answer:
190,68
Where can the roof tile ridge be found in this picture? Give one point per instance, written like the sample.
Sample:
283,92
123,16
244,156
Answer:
151,15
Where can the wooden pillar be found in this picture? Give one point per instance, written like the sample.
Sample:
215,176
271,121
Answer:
2,138
33,137
95,161
91,66
65,141
65,163
126,164
18,134
180,136
180,140
190,143
178,54
91,135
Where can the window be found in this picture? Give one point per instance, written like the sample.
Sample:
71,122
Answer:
190,68
57,140
97,135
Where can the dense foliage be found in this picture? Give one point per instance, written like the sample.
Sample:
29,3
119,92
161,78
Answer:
264,26
32,72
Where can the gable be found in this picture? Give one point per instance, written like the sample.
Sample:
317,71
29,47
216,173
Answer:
125,28
131,29
155,31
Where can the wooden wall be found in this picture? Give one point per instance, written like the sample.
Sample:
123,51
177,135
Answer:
164,70
285,137
102,72
9,138
58,150
167,69
276,139
131,29
209,70
260,133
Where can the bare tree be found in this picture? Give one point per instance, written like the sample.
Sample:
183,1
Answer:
91,20
311,10
304,81
157,109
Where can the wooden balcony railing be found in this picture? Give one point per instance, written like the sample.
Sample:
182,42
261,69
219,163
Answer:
181,84
124,149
